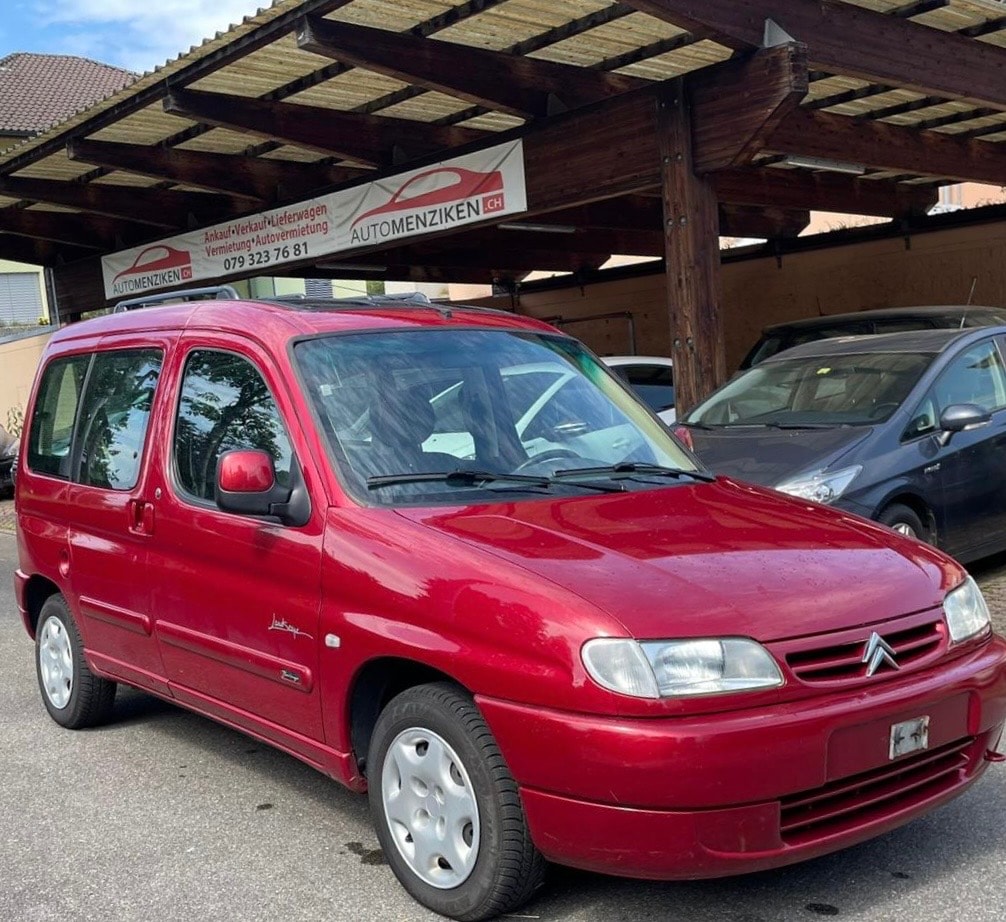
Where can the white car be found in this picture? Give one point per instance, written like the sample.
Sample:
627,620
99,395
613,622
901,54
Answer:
651,377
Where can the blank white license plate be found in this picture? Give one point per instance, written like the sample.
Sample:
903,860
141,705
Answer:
909,736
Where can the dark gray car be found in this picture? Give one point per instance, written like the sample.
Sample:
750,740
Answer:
782,336
905,428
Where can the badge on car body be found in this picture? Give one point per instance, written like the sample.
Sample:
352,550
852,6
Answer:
909,736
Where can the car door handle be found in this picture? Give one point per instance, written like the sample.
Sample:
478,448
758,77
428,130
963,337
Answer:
141,517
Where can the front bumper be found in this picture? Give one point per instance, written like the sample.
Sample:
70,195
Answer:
728,793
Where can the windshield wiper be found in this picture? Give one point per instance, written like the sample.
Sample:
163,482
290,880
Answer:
467,478
459,476
626,468
778,425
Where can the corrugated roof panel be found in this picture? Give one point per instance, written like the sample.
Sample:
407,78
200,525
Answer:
427,107
349,90
675,63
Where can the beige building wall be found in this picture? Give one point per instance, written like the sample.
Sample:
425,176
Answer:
933,268
18,362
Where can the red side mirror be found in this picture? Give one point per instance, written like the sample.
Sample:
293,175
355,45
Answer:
246,472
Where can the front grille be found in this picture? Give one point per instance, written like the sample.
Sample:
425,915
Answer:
873,795
836,659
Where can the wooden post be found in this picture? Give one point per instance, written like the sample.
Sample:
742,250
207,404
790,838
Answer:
691,232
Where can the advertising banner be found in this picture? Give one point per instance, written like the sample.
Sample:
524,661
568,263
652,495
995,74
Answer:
435,198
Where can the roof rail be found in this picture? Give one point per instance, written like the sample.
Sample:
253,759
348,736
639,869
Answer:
406,297
212,293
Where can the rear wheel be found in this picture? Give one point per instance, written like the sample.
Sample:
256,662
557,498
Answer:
73,695
446,809
904,521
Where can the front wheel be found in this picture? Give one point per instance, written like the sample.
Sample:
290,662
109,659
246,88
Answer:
446,809
904,521
73,695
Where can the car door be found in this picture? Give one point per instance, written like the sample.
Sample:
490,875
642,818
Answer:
969,471
112,522
238,599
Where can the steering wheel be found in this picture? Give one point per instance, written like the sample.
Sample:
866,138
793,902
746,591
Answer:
549,454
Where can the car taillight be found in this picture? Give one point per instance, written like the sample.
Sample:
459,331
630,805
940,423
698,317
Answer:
684,434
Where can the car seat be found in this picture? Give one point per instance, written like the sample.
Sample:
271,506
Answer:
401,420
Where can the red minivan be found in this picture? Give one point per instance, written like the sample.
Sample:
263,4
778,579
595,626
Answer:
443,555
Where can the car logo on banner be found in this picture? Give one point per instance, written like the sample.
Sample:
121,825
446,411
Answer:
436,198
157,266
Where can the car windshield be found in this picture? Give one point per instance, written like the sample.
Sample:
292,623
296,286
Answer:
812,391
515,412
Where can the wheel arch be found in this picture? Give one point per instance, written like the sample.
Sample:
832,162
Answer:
917,504
377,682
36,591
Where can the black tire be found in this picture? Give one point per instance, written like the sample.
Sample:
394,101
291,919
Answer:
507,867
90,697
900,517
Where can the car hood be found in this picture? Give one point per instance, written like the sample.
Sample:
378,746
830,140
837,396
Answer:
709,559
759,454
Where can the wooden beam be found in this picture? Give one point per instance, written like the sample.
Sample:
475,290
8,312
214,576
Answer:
525,87
632,224
754,221
475,275
621,157
889,147
259,179
462,253
738,104
355,136
89,231
847,39
79,288
691,229
821,191
37,252
634,241
157,207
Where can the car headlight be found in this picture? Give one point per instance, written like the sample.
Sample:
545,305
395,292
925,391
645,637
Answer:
966,612
820,486
676,668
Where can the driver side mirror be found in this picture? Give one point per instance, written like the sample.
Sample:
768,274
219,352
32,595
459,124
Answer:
959,417
246,484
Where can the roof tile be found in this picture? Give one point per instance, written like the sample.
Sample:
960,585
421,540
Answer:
37,90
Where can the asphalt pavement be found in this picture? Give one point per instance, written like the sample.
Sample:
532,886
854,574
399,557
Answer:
163,816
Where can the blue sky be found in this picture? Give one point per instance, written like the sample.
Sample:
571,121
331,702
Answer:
135,34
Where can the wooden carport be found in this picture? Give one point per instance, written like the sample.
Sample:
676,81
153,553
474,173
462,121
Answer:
648,127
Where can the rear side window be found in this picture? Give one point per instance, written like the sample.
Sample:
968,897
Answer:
114,416
51,432
225,404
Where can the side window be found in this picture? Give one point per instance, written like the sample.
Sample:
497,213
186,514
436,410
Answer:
224,404
976,376
114,415
51,429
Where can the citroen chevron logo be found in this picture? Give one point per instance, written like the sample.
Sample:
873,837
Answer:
878,651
